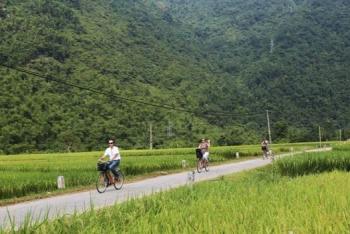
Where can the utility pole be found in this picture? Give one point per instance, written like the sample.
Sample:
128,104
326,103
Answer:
150,137
292,6
272,44
319,135
169,132
268,126
339,134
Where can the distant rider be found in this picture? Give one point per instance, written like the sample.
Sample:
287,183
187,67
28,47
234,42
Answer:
265,148
114,157
204,147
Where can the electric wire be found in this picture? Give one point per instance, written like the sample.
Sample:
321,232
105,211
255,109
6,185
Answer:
157,105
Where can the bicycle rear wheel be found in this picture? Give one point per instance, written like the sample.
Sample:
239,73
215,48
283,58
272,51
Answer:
199,165
102,182
119,181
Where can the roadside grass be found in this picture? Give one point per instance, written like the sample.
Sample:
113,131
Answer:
56,192
258,201
312,163
24,177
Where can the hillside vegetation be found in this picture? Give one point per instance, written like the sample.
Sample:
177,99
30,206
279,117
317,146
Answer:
242,57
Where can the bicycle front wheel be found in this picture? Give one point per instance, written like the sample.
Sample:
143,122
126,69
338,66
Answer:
101,183
119,181
199,166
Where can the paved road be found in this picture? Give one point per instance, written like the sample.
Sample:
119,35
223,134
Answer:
79,202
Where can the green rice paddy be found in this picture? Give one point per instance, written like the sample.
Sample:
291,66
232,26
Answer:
23,175
266,200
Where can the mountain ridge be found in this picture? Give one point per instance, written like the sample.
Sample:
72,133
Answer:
206,56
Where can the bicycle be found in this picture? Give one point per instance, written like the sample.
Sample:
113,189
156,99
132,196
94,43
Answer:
271,155
202,164
105,178
268,154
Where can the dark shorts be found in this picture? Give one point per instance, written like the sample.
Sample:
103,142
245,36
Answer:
263,148
199,153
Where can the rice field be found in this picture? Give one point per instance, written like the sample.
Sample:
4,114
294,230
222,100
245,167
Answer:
312,163
258,201
24,175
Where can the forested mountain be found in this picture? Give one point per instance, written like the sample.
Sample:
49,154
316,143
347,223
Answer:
208,57
293,56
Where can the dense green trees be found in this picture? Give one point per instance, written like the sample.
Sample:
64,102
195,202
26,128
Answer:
292,55
242,57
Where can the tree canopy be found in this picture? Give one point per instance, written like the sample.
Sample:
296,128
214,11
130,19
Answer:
227,62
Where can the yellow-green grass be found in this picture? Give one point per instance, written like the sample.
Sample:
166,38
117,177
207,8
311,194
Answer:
25,175
258,201
311,163
342,146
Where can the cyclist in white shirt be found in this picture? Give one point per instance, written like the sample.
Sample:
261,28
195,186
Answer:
114,157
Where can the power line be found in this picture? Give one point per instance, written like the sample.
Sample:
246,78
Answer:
157,105
113,46
50,78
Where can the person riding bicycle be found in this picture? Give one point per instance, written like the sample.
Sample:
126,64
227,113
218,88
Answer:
114,157
265,148
204,147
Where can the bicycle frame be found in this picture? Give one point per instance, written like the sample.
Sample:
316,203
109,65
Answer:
107,178
202,163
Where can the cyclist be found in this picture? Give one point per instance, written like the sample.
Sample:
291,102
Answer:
265,148
204,147
114,157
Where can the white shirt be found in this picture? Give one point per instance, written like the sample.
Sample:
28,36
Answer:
112,153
